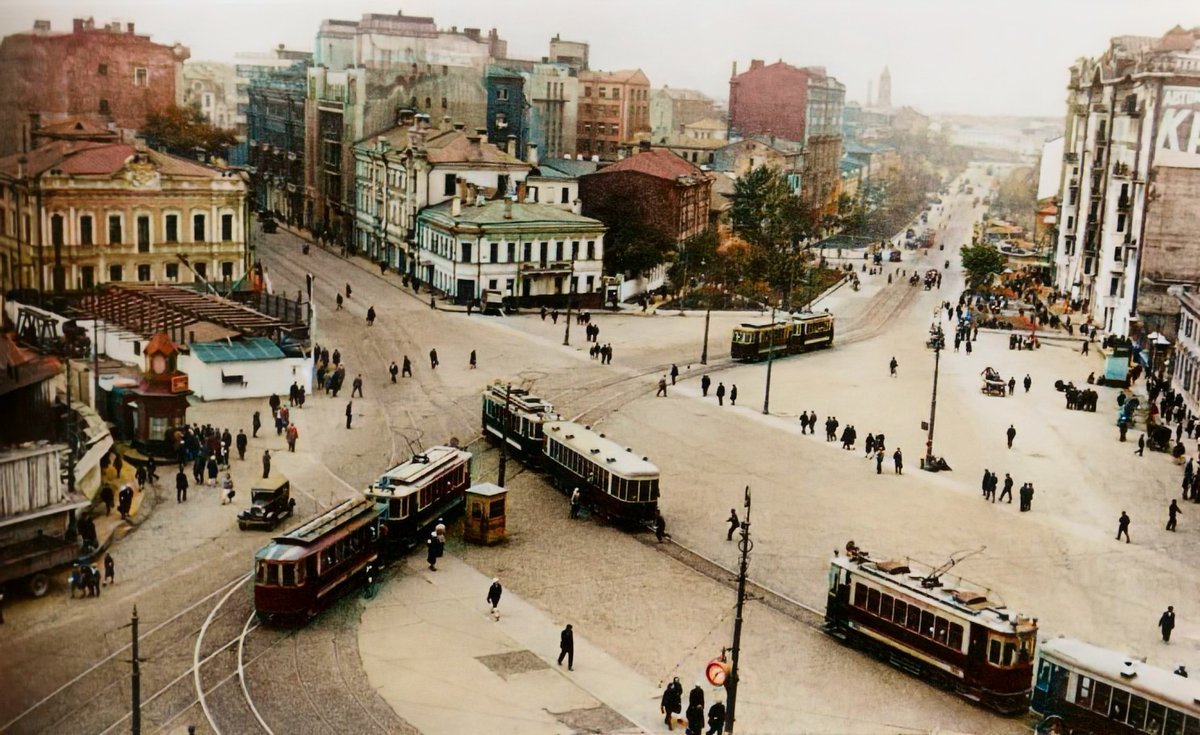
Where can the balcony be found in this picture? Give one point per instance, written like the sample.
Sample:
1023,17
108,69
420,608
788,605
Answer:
1070,157
1120,170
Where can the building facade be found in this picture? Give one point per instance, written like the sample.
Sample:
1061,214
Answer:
572,53
614,107
672,109
1130,180
275,142
212,87
507,107
535,253
109,73
743,156
1186,355
74,215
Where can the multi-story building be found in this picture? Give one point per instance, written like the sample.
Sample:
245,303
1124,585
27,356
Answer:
506,105
572,53
614,107
743,156
551,94
275,142
800,104
1130,181
212,87
76,214
556,181
535,253
672,109
109,74
1186,354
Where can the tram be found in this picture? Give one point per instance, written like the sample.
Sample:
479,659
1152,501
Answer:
1082,688
801,333
518,415
614,482
934,626
430,485
299,573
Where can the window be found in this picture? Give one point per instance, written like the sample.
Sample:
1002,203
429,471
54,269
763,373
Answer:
927,623
941,628
1114,285
860,595
494,256
143,234
141,77
226,228
88,276
198,228
114,273
1100,698
566,195
602,93
587,91
502,94
114,229
955,638
512,252
227,270
885,607
545,252
102,70
172,271
1120,223
143,273
449,185
56,229
172,228
85,230
558,250
445,103
201,270
914,618
591,250
528,253
1120,705
466,252
1155,714
103,107
873,602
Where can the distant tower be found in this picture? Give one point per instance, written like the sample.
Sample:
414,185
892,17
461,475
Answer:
885,90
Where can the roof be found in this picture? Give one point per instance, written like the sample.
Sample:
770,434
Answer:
683,94
91,158
708,123
687,141
161,342
318,532
76,127
849,165
409,476
255,348
1126,671
520,401
660,163
622,76
605,452
569,166
491,212
486,489
454,146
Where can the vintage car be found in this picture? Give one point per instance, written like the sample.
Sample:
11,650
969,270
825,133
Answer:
270,502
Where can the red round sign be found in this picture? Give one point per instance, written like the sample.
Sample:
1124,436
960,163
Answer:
716,672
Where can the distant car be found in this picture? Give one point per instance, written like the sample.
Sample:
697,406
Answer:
270,502
894,256
267,221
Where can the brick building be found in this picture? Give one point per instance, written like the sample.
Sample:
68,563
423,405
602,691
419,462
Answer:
108,73
76,214
613,108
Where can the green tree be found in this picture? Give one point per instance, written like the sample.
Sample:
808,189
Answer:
982,263
182,130
631,247
767,215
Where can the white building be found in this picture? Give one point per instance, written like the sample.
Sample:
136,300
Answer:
537,253
211,86
245,368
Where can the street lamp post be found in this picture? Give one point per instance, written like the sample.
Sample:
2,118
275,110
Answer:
745,545
770,360
570,292
939,341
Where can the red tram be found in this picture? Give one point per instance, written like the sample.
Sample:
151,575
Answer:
934,626
299,573
418,492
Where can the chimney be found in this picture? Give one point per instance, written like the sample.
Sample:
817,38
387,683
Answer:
577,206
733,74
460,126
462,187
482,134
756,64
522,192
471,33
77,25
474,141
511,147
43,26
531,154
445,126
643,146
129,27
456,206
507,208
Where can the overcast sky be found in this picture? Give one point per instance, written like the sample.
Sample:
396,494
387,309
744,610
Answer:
965,56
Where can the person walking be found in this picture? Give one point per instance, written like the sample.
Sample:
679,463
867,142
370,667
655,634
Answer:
1007,491
1084,351
671,702
879,461
339,303
704,383
256,424
892,367
694,714
716,717
434,552
292,434
660,526
109,570
1141,450
1123,527
720,394
433,359
493,597
733,395
1012,385
674,373
968,345
1011,434
181,485
347,296
370,316
406,369
566,647
1166,623
241,442
662,388
266,462
471,362
1028,382
576,502
393,371
212,468
1172,511
349,413
734,524
227,490
898,461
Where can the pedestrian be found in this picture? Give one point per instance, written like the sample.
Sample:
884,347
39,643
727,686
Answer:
349,413
576,502
227,488
1166,623
109,570
1172,511
1181,671
406,370
337,357
370,316
566,647
347,296
892,367
433,359
357,386
898,461
471,361
435,549
241,443
256,424
1012,385
106,497
660,526
672,702
292,434
968,346
986,482
1141,446
695,716
125,502
493,597
879,462
1028,382
674,373
662,387
705,381
1084,351
716,715
181,485
720,394
393,371
212,471
1123,527
1007,491
734,524
266,461
139,475
339,303
1011,434
733,395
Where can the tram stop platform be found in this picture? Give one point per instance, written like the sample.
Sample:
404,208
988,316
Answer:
432,651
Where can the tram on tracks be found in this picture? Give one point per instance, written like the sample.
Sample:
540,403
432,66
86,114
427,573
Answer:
516,415
934,626
617,484
298,574
803,332
429,486
1082,688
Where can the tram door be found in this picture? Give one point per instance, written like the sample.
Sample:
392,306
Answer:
977,651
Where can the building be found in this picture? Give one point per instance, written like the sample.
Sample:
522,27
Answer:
108,74
212,87
614,107
77,214
1045,224
507,107
536,253
1130,181
884,100
1186,356
700,151
275,142
555,181
800,104
572,53
552,97
879,161
743,156
672,109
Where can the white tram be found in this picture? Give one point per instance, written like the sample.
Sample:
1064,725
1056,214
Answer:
615,482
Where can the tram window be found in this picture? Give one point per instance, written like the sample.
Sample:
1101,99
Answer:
260,574
1155,714
954,640
1083,692
1010,653
900,612
1043,676
1100,698
1192,725
860,595
940,630
300,574
1119,706
994,651
926,623
1174,723
914,618
654,489
477,510
1137,712
873,602
289,574
885,607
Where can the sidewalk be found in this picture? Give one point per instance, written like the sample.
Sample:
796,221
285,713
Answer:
433,652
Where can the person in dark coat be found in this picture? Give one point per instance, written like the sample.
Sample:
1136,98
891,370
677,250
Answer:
898,461
1123,527
256,424
672,702
266,460
1011,434
716,716
879,461
1166,623
433,359
704,383
660,526
110,572
674,373
493,596
125,502
434,551
695,719
198,469
1028,382
1172,511
241,442
349,413
393,371
566,647
733,396
406,369
211,465
720,394
734,524
370,316
106,497
181,486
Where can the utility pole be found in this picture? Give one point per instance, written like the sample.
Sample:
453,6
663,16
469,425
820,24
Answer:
939,341
744,545
95,351
770,356
570,292
136,704
504,434
707,316
70,435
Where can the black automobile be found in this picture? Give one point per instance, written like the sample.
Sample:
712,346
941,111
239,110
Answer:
270,502
267,221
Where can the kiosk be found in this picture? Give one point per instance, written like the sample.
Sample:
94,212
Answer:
486,509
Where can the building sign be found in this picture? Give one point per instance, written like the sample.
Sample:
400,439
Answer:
179,383
1178,143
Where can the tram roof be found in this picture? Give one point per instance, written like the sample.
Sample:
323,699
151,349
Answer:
521,399
412,473
954,592
603,451
1125,671
295,543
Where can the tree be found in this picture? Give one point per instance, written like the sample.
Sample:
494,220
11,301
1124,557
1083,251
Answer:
631,247
773,220
182,130
982,262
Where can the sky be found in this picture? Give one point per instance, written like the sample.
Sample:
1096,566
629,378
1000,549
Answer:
1008,57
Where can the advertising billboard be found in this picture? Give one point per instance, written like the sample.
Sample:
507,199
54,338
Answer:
1178,143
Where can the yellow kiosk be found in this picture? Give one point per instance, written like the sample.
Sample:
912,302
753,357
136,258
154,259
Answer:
486,508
